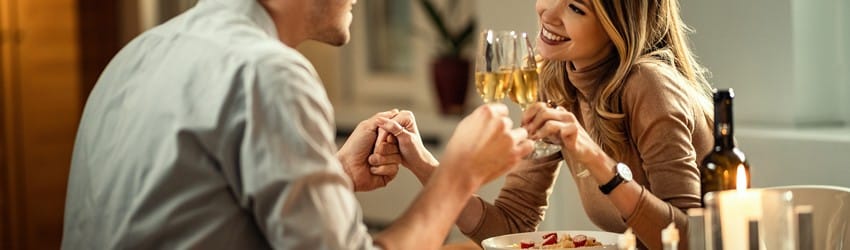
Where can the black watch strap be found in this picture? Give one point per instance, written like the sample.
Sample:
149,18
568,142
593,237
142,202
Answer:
613,183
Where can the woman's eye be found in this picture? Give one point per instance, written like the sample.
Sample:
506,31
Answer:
576,9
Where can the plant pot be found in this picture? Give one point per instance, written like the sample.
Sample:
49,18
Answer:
451,80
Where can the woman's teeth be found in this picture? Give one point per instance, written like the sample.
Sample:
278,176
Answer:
552,36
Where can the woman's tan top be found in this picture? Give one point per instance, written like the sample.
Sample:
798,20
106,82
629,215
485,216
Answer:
668,133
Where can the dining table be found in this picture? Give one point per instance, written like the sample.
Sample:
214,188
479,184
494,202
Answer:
461,245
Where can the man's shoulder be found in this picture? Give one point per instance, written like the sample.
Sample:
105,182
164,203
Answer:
274,53
223,32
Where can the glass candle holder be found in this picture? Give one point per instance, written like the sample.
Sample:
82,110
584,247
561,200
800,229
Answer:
729,214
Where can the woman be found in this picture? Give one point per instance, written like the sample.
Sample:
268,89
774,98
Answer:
630,94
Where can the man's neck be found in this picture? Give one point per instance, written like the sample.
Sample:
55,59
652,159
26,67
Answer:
289,19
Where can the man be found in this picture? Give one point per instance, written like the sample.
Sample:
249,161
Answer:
211,132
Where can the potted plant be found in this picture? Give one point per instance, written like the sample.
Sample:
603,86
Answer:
450,70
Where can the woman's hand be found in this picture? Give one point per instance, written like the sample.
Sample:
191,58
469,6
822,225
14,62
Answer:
559,126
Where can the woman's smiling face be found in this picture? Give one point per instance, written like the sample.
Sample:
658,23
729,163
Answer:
571,31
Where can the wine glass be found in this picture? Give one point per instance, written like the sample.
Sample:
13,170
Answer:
524,90
493,67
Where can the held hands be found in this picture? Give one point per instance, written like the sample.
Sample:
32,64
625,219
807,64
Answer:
559,126
355,152
402,130
483,145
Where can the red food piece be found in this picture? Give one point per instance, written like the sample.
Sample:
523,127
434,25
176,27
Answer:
550,235
550,239
526,244
580,240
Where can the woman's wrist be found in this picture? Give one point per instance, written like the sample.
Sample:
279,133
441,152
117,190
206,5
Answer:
602,168
424,168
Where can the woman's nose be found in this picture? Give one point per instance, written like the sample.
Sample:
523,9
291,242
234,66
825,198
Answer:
549,11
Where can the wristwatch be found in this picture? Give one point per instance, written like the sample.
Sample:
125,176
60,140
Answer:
622,173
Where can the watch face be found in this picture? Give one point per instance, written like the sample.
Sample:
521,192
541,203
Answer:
624,171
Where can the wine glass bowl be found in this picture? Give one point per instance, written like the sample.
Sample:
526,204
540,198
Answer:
525,75
493,66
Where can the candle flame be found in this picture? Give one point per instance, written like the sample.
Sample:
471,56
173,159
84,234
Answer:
741,185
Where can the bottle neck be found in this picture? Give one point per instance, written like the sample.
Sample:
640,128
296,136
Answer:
723,125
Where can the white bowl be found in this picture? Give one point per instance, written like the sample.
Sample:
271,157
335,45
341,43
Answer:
509,241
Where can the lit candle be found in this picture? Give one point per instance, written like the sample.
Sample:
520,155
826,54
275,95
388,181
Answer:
670,237
737,209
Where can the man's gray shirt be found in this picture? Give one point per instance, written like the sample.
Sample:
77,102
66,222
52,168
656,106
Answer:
207,132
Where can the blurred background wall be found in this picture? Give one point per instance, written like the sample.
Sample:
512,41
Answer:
788,61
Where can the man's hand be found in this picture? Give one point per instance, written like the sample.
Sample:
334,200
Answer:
484,145
401,132
354,155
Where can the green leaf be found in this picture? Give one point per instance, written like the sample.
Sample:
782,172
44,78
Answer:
454,43
453,4
463,37
436,18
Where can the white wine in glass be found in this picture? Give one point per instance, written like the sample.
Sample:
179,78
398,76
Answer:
493,67
524,89
492,86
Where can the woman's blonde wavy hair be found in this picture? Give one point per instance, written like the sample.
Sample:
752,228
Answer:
641,31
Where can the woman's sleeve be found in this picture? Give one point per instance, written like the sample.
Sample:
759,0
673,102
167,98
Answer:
522,202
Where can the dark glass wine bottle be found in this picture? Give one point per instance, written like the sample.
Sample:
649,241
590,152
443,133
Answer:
719,169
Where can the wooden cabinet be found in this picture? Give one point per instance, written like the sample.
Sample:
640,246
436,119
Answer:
40,110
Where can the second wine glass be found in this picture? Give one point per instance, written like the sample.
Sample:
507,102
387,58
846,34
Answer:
525,85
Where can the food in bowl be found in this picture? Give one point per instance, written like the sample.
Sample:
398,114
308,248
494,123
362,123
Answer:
552,241
511,241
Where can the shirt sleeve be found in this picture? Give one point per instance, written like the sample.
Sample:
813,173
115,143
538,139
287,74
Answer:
522,202
292,182
661,125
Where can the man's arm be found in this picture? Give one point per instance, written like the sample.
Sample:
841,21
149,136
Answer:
482,148
428,220
288,177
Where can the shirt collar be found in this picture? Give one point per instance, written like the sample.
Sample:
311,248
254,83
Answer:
252,9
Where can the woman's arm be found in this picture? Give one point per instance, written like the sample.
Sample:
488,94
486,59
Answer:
642,211
521,202
519,207
668,126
